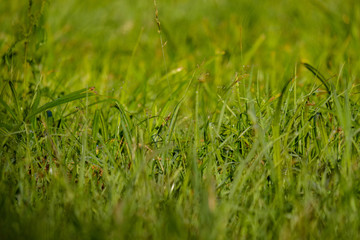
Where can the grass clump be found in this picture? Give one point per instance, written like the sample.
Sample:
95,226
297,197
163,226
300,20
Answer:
179,120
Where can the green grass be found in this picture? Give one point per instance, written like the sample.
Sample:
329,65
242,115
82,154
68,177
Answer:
179,119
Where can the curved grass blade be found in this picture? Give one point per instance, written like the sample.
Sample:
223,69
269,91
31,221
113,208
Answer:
172,122
126,126
8,108
276,126
14,95
103,126
318,75
83,93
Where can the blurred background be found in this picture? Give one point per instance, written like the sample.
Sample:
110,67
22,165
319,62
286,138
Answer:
115,46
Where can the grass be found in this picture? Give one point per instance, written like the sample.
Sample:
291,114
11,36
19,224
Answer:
179,119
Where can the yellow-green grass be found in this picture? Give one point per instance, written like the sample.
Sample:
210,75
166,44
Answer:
179,119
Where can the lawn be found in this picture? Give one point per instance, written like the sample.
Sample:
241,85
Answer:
179,119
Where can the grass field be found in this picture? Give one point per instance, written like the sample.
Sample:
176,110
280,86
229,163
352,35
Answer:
179,119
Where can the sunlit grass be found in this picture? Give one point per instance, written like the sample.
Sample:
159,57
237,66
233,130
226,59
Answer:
179,120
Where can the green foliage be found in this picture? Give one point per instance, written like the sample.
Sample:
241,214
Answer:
194,120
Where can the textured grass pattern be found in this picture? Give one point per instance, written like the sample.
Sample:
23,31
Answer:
179,119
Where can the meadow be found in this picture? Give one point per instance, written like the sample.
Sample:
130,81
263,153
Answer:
179,119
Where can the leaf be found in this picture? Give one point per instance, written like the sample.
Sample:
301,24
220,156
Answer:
103,127
95,127
14,94
172,122
318,75
126,126
12,113
86,92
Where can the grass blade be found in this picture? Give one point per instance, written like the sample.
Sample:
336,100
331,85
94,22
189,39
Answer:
86,92
318,75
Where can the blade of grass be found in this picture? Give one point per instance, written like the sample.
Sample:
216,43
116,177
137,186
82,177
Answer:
318,75
86,92
8,108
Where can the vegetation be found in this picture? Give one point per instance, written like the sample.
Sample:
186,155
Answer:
179,119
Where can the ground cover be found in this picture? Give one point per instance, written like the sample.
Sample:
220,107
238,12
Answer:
179,119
